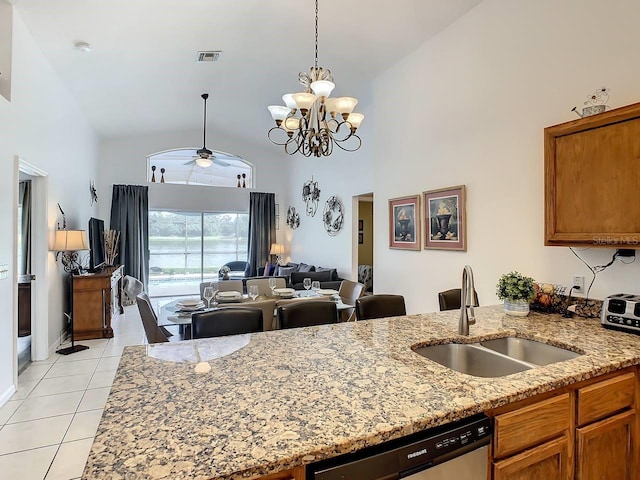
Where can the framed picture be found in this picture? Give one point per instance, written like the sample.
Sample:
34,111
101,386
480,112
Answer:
445,219
360,238
404,223
360,225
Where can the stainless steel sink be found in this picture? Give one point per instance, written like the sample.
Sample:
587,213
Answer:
529,351
472,360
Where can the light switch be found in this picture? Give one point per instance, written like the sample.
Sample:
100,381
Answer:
4,271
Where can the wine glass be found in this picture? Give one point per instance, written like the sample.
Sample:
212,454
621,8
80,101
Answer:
315,286
272,286
306,283
253,292
215,288
207,294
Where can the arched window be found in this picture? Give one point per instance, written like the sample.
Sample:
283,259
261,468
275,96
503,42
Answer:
180,167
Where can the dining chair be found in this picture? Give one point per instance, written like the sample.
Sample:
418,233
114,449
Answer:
450,299
267,306
380,306
350,292
306,314
263,285
154,333
226,321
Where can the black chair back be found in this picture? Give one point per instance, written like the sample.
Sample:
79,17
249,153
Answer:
238,266
450,299
380,306
226,321
306,314
149,320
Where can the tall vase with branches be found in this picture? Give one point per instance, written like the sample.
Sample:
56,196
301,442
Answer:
111,239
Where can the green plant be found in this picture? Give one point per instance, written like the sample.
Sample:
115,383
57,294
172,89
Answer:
515,286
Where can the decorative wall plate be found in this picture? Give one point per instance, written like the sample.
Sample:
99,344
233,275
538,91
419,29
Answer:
333,216
293,218
311,196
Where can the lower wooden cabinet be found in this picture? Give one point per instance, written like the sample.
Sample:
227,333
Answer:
605,449
549,461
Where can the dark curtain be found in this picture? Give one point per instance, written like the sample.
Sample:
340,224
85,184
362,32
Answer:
25,228
130,216
262,228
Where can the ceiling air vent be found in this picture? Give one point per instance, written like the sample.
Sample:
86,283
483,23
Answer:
210,56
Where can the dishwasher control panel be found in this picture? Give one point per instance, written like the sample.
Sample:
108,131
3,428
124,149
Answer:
406,456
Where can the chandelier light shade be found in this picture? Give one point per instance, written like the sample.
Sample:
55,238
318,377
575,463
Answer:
312,122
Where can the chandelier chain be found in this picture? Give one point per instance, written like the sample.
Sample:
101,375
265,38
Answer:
316,64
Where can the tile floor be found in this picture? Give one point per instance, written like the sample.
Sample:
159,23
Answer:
48,426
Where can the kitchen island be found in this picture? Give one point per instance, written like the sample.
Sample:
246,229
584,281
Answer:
277,400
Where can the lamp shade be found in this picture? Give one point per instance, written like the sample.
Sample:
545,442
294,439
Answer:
277,249
355,119
70,241
322,88
278,112
304,100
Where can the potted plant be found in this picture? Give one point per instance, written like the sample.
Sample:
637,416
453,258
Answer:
517,291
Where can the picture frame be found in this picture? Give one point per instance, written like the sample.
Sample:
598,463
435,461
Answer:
445,219
404,223
360,238
360,225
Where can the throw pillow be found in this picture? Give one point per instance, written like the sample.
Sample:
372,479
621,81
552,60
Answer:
303,267
286,272
334,272
267,267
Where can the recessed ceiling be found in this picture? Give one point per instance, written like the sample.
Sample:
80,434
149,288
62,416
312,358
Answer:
142,75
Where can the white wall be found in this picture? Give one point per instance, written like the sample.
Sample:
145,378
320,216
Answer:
483,90
123,160
44,126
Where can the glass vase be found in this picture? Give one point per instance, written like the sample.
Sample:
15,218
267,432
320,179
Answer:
516,308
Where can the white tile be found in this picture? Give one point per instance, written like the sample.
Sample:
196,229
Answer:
102,379
70,460
49,406
84,425
128,339
79,367
82,355
48,361
8,409
24,389
52,386
34,372
27,465
93,399
113,350
108,363
37,433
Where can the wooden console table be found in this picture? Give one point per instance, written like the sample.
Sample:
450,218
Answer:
94,296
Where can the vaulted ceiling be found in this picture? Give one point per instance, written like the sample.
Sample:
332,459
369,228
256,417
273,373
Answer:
141,75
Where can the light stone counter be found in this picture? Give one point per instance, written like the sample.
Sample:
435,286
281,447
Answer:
280,399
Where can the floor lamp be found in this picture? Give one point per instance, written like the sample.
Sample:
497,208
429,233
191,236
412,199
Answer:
69,243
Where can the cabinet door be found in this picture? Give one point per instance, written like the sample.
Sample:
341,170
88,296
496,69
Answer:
605,449
549,461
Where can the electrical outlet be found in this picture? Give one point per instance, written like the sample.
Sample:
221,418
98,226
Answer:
578,283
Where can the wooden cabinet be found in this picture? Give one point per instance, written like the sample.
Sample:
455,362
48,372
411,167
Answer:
586,431
94,297
592,180
293,474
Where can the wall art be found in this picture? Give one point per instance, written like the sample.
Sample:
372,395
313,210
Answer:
311,197
445,219
293,218
404,223
333,216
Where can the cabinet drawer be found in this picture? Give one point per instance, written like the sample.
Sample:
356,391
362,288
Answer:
549,461
604,398
532,425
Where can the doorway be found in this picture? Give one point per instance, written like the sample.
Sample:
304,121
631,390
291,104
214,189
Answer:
363,240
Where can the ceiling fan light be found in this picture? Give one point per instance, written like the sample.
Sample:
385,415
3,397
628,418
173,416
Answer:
346,104
204,162
355,119
278,112
288,100
322,88
304,101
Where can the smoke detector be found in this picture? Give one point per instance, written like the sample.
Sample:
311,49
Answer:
82,46
208,56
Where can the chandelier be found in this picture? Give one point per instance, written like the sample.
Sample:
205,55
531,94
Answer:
312,123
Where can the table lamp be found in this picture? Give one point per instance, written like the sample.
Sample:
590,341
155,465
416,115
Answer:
277,249
69,243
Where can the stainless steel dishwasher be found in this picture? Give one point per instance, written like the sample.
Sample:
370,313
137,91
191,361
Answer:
456,451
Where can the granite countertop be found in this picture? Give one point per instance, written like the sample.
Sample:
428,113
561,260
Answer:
280,399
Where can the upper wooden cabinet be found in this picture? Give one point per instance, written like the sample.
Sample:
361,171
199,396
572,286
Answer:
592,180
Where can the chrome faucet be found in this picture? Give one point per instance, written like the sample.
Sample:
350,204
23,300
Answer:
467,300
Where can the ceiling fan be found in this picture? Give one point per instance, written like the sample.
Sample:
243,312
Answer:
205,157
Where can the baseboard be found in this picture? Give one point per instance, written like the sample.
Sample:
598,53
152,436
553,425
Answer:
4,398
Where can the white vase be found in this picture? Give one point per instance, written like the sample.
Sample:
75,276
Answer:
516,308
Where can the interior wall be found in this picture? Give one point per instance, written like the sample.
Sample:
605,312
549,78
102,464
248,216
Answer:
365,249
6,13
43,125
123,160
489,84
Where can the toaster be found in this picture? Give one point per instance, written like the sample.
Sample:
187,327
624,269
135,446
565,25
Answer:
622,312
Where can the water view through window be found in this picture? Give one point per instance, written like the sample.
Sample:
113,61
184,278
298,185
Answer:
186,248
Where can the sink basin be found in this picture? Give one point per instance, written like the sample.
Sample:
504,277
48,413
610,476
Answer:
529,351
472,360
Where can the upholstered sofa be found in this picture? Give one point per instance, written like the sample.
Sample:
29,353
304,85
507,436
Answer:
295,273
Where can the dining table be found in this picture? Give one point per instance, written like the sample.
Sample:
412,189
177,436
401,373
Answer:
172,313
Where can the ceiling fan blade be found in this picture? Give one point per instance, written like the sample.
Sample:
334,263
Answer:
191,162
217,161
